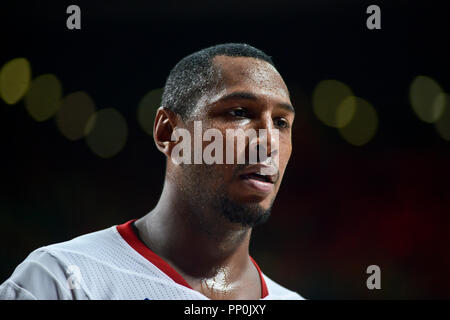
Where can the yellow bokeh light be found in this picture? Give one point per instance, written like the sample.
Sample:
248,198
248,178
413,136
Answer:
363,125
147,107
107,133
327,97
443,124
345,111
73,115
44,97
15,77
426,98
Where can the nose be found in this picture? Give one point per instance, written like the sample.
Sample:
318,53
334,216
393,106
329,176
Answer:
267,142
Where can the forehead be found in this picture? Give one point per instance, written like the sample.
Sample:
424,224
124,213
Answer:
243,74
250,74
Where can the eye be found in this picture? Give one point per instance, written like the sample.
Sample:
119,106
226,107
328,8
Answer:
281,122
239,112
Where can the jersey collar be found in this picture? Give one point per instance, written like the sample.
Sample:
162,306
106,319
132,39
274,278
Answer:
128,233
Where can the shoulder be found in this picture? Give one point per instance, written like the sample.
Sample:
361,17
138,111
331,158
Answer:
96,246
101,265
278,292
40,276
88,244
53,271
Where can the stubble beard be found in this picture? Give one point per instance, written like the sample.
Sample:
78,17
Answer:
205,201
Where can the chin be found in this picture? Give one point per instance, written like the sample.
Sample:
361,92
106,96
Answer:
263,204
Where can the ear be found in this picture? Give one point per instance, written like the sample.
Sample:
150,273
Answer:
165,123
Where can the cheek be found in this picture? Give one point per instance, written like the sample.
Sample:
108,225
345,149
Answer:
285,154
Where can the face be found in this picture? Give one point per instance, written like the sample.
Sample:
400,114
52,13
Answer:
251,95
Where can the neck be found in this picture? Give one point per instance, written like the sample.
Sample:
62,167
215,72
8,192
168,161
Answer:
196,241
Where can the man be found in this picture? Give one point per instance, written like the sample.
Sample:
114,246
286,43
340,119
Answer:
195,243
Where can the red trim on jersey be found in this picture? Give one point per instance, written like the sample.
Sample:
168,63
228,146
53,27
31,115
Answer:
128,234
264,290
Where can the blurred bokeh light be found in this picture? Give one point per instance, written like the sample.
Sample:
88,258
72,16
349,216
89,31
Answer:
73,115
147,107
364,122
327,97
345,111
427,98
44,97
443,124
15,76
107,133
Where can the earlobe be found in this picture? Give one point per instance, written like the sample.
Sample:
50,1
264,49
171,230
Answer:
165,123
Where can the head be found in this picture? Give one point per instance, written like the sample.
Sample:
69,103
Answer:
227,87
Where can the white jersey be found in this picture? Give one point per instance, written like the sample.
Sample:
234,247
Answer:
111,264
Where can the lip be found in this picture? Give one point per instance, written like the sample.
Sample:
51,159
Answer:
259,186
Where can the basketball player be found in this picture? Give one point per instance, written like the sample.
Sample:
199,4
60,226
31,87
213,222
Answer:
195,243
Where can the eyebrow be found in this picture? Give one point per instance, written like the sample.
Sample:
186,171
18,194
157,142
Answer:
245,95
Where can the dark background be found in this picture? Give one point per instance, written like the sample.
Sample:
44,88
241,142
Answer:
340,209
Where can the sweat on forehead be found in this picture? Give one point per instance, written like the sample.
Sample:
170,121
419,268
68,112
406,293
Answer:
233,70
243,74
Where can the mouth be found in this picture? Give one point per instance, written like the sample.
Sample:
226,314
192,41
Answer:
256,176
258,182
